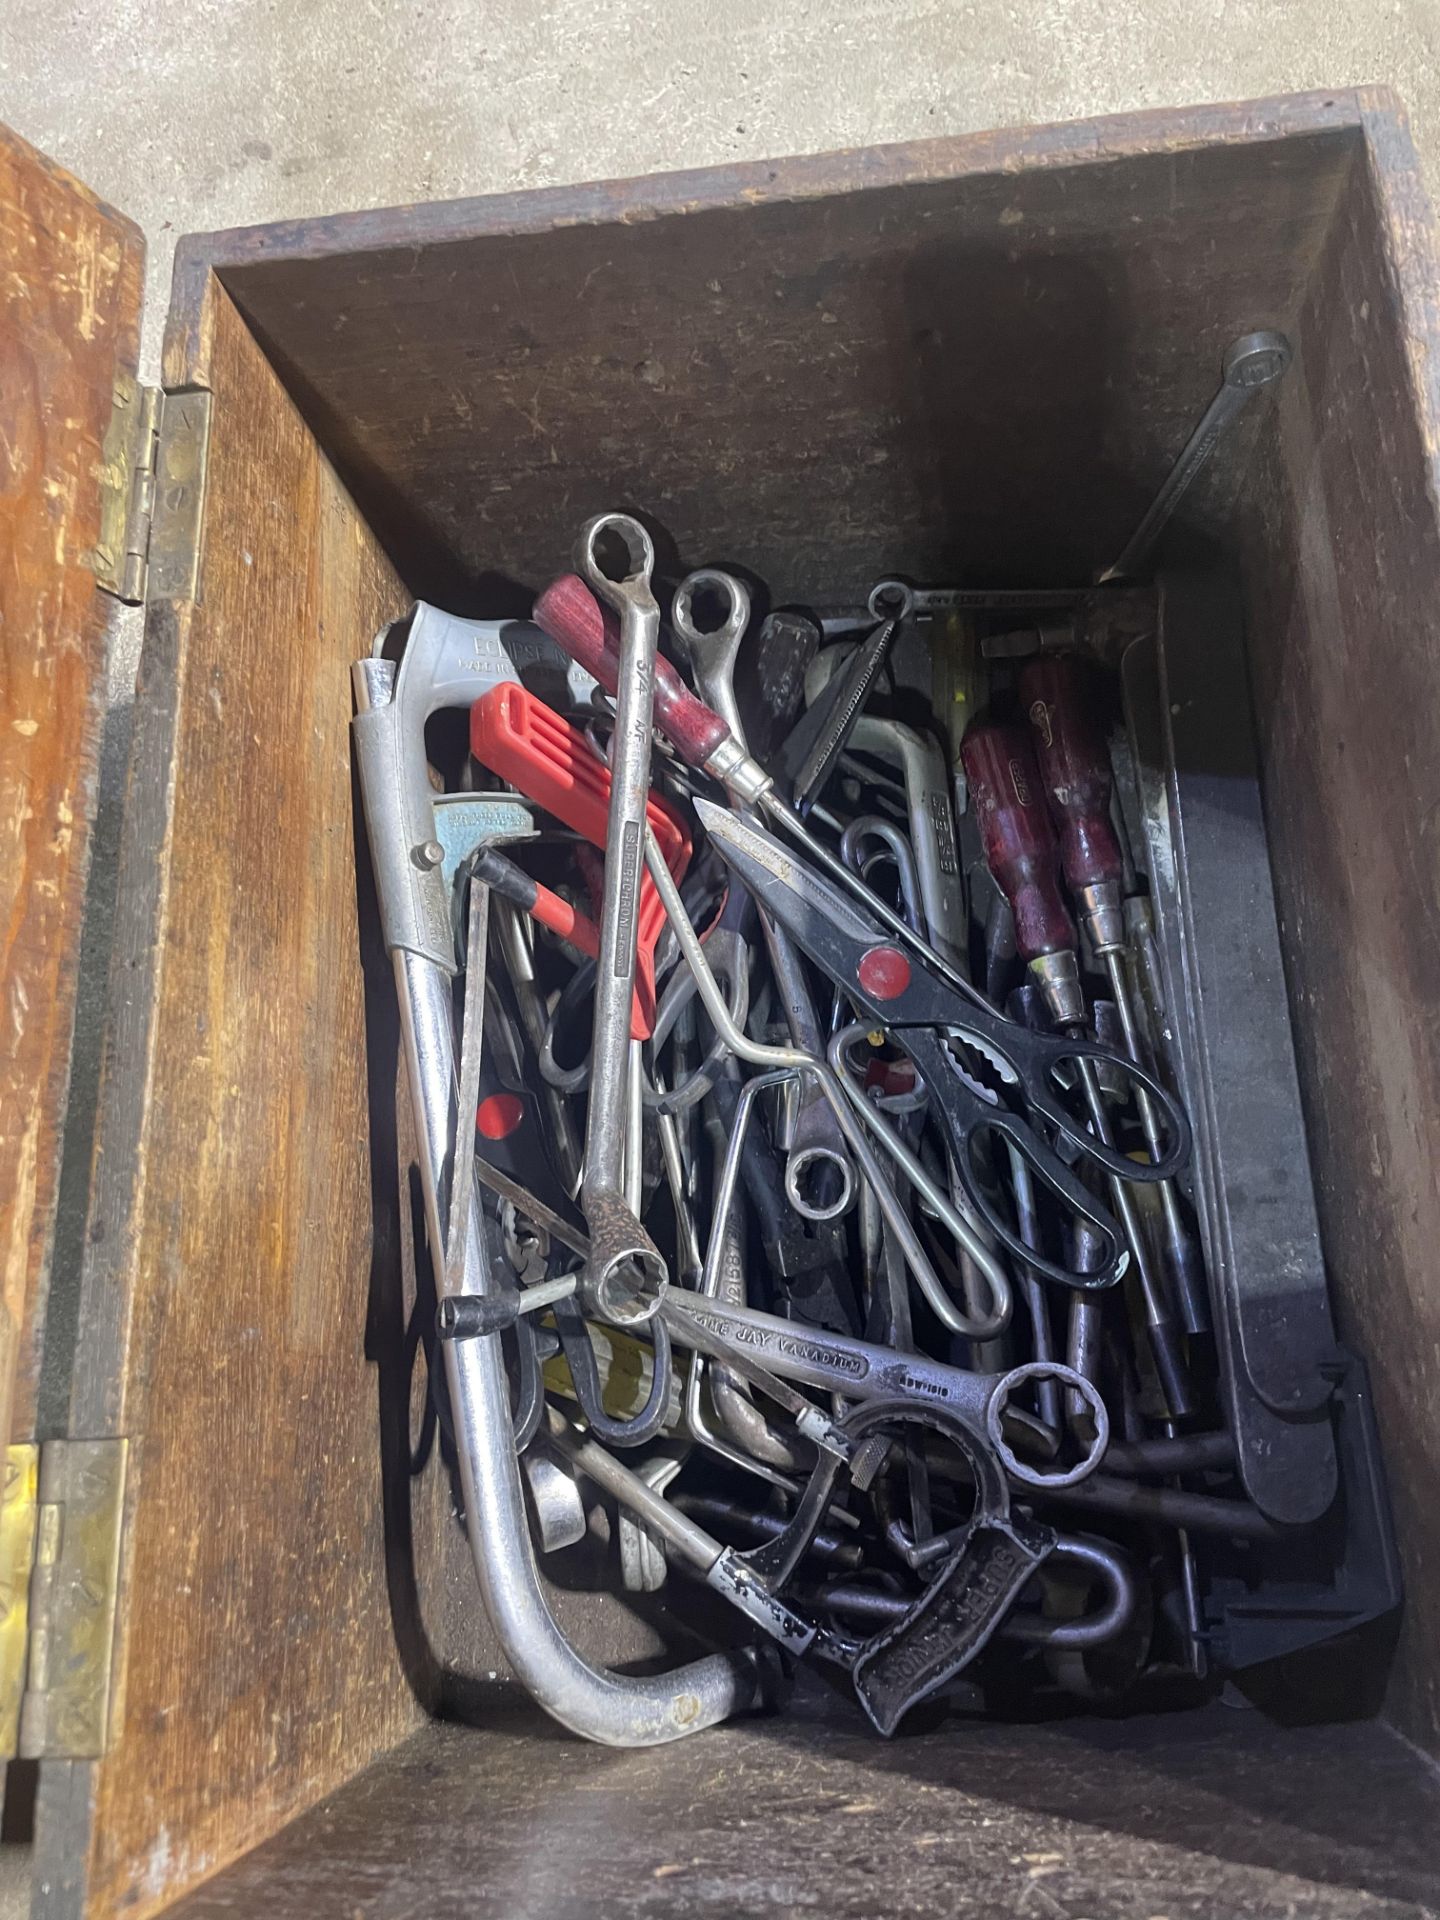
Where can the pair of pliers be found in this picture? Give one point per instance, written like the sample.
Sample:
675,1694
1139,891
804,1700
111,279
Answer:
923,1015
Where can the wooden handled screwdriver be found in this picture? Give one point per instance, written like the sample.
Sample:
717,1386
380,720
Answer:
1060,699
1022,854
588,632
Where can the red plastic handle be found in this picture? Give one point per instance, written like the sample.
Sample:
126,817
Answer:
552,911
517,736
512,883
1019,841
575,620
1061,699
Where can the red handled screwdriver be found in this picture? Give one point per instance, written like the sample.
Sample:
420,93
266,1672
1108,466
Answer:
1022,854
1060,698
590,634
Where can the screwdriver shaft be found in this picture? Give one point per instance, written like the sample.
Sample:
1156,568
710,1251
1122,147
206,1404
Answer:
1182,1257
1160,1325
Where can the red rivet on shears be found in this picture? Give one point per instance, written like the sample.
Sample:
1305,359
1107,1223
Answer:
884,973
499,1114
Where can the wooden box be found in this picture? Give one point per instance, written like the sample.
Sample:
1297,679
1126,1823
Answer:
977,353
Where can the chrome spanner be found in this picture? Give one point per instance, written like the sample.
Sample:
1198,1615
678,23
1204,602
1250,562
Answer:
625,1276
862,1370
816,1146
1251,362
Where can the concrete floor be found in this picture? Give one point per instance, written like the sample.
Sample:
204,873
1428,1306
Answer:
218,113
224,112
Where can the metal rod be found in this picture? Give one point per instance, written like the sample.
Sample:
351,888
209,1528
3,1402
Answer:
1251,362
626,1275
722,1277
955,1223
1160,1325
1182,1255
614,1709
762,1055
1171,1453
816,1149
512,935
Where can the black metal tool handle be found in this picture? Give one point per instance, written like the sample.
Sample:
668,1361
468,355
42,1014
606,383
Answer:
970,1119
980,1580
1038,1058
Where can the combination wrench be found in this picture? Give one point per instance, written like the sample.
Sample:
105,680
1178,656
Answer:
1251,362
819,1175
625,1276
863,1370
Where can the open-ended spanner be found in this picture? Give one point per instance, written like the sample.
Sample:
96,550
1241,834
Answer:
819,1176
625,1275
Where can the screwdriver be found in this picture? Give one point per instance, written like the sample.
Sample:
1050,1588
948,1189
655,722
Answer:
575,620
1024,858
1059,695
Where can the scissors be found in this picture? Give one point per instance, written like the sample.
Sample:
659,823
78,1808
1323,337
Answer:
923,1014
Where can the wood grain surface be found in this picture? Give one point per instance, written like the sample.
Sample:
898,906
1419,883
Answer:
1005,335
1343,554
979,352
1197,1814
297,1593
225,1298
70,286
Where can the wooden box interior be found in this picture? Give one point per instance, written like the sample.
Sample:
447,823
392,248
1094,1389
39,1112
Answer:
972,357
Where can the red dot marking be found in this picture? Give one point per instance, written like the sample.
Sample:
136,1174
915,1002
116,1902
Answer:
890,1076
499,1114
884,973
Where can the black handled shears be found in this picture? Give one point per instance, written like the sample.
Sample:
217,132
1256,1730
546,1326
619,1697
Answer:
926,1017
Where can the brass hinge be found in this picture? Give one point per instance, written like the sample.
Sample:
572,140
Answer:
19,1501
127,490
60,1520
152,493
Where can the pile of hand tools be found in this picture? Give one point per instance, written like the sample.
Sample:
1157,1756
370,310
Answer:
807,1171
